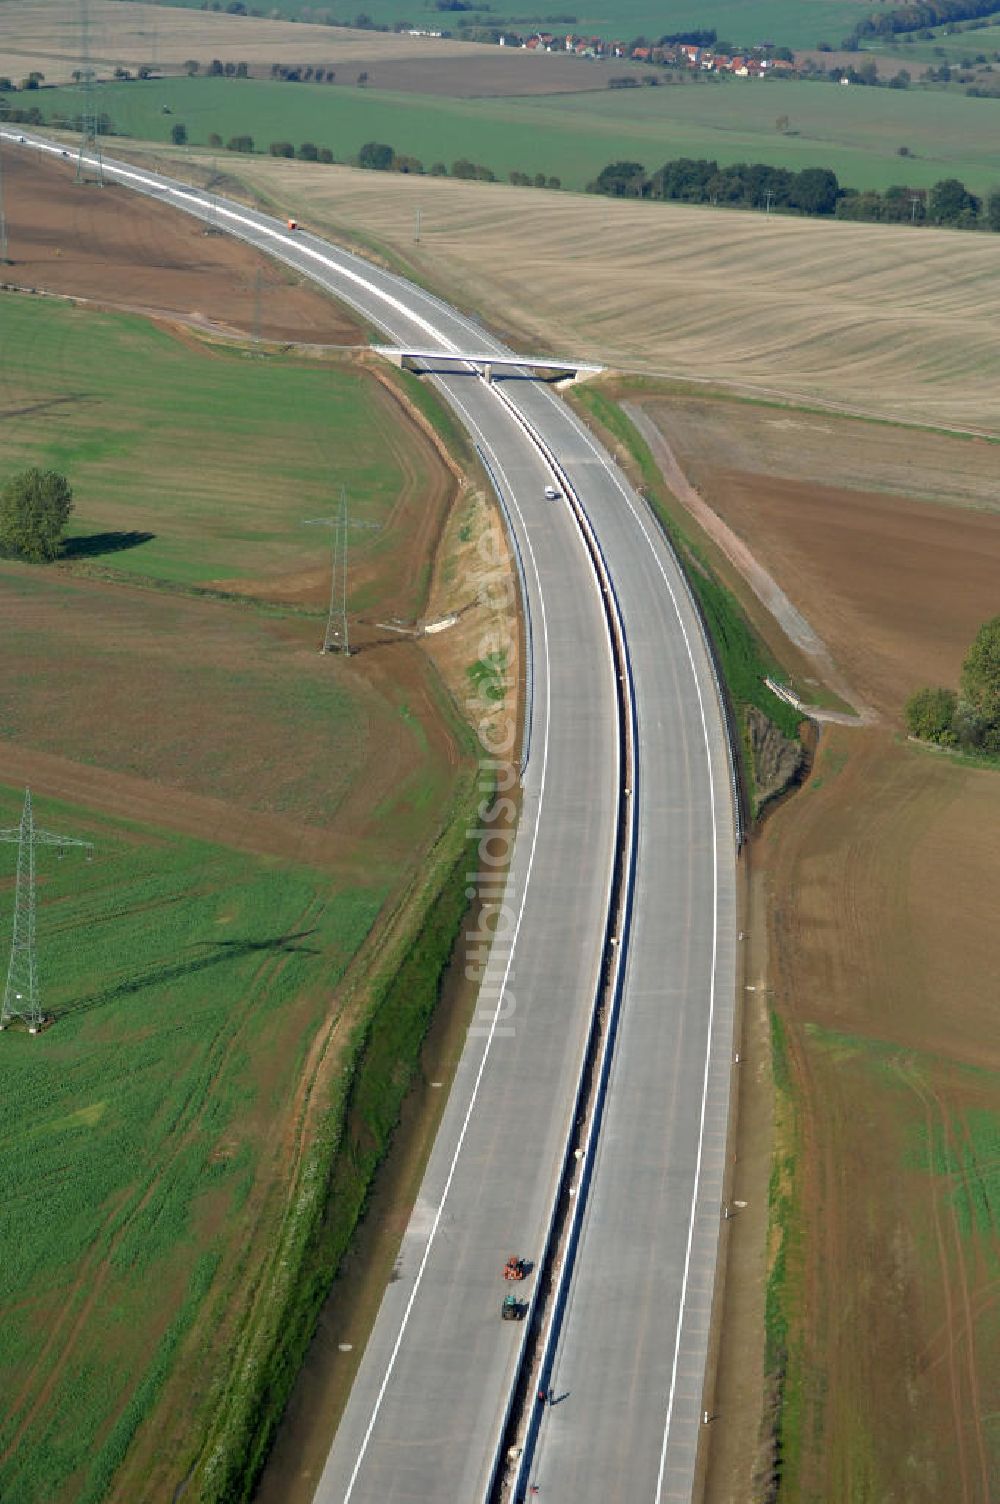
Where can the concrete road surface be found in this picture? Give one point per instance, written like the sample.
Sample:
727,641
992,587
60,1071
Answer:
627,1361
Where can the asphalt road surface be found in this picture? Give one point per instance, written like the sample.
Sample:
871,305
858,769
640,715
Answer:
626,1363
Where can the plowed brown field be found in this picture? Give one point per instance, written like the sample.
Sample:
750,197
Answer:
896,583
878,881
122,251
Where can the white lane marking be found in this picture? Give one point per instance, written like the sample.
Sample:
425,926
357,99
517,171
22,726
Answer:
500,997
163,186
595,449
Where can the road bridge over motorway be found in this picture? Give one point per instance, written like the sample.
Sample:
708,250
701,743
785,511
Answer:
486,363
625,1340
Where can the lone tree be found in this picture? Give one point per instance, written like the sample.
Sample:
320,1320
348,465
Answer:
34,509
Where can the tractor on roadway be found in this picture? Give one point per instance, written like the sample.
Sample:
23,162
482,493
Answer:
515,1268
512,1309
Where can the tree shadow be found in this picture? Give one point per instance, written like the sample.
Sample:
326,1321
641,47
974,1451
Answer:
156,976
92,544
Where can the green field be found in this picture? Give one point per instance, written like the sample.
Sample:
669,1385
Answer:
793,23
187,982
961,48
856,131
267,443
173,1146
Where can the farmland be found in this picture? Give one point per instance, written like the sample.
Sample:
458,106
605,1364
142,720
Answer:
187,982
883,1188
47,37
260,933
856,132
304,429
796,23
895,322
960,49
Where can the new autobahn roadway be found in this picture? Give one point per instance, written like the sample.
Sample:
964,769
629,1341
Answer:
627,795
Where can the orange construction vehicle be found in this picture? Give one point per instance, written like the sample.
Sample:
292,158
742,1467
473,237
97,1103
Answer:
515,1268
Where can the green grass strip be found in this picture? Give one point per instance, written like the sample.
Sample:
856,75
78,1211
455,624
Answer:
743,658
353,1143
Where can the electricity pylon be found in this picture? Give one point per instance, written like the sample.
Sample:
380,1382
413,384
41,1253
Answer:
21,999
89,141
336,637
3,216
211,220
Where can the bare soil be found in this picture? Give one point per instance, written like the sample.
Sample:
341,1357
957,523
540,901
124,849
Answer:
895,587
881,878
870,932
243,738
493,72
122,251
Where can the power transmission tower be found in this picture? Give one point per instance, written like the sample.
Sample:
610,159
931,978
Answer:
336,636
257,284
211,221
21,998
4,257
89,141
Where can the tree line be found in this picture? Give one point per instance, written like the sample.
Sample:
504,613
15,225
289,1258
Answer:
813,191
690,180
377,156
967,719
921,15
949,202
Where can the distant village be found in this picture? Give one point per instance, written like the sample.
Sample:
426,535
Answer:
753,64
682,54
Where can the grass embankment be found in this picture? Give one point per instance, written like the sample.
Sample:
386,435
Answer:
335,1181
856,132
782,1404
743,659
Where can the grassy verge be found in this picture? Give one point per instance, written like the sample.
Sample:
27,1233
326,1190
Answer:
421,394
337,1175
783,1408
743,659
488,676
